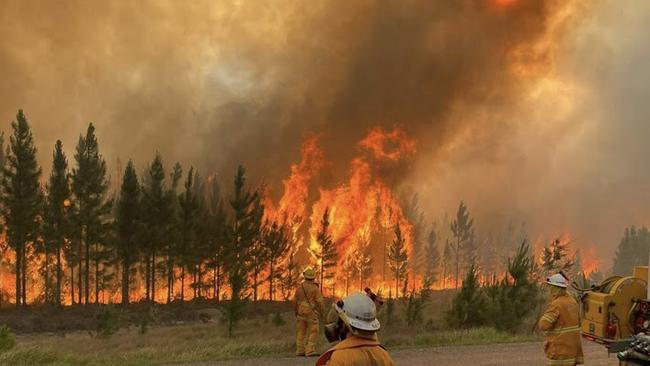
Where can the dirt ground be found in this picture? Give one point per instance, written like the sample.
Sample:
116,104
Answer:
529,354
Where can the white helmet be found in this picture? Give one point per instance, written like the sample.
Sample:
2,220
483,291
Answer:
359,312
557,280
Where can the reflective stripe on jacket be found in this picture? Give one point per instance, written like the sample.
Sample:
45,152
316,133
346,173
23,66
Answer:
561,325
308,302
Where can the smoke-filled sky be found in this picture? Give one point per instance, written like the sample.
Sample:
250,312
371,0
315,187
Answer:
529,110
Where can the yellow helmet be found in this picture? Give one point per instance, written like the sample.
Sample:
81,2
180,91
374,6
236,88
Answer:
309,273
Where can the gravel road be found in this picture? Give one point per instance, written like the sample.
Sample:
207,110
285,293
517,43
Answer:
516,354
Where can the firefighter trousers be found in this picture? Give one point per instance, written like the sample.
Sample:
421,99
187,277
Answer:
307,335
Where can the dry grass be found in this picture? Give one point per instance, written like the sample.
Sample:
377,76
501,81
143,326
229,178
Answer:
257,337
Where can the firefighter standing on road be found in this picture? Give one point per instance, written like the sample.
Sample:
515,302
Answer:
561,325
356,328
309,308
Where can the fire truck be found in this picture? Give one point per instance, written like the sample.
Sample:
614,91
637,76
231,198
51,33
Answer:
616,313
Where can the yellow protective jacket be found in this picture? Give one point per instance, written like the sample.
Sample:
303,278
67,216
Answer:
356,351
308,302
561,325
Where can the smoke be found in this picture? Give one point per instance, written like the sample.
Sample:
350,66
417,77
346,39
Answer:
527,109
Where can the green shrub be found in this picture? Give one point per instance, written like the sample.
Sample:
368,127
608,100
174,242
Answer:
108,322
7,339
469,305
278,320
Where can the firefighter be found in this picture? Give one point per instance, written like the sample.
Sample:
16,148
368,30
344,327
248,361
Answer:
356,328
309,307
561,325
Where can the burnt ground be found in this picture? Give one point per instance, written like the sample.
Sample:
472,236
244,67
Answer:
517,354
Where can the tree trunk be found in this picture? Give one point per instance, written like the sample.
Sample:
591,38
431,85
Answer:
80,272
19,266
58,274
457,261
87,278
255,284
170,278
182,283
46,276
271,281
147,277
125,283
24,275
72,284
218,295
97,281
153,275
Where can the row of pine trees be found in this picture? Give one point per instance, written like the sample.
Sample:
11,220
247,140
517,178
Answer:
173,230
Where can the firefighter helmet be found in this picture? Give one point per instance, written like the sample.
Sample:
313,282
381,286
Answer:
557,280
309,273
359,312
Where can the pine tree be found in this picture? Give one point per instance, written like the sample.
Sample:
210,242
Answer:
172,249
277,243
214,221
157,204
397,257
513,298
189,212
259,256
325,251
57,213
362,262
468,306
447,262
21,199
415,217
556,257
633,250
433,260
290,273
92,206
244,230
199,248
463,229
128,224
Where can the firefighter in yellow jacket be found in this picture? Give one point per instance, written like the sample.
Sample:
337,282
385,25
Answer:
309,308
356,329
561,325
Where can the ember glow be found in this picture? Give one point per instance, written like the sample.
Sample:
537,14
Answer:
363,210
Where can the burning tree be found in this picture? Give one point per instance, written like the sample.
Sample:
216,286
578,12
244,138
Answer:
463,229
433,259
324,250
172,249
189,211
21,199
277,243
397,257
362,260
447,262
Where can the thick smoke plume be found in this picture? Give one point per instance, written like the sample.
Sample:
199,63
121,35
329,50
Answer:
510,101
